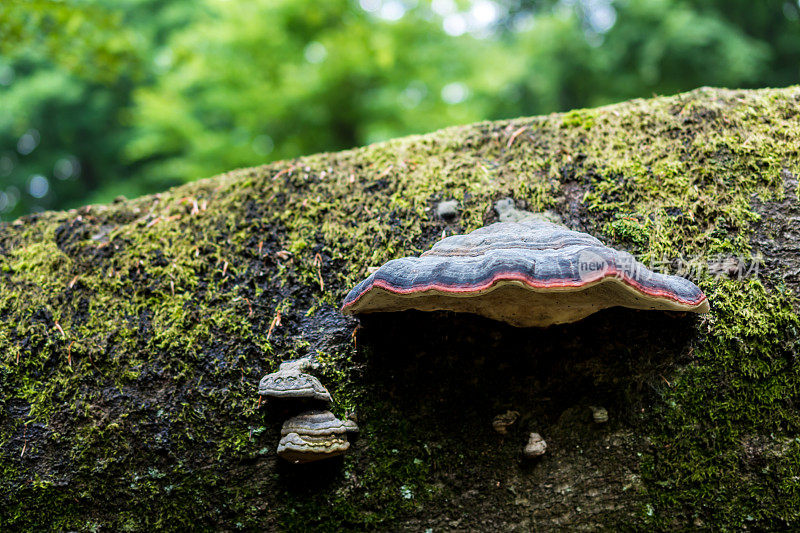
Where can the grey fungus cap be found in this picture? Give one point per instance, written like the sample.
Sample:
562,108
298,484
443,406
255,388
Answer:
535,447
528,273
291,382
317,423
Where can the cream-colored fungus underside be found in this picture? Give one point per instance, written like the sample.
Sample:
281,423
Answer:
521,305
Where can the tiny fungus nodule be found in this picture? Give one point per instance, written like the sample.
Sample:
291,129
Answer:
535,447
501,423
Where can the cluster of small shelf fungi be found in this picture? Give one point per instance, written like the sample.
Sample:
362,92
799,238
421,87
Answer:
313,434
527,270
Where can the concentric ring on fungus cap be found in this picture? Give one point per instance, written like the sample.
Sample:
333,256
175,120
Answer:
317,423
313,436
532,273
299,449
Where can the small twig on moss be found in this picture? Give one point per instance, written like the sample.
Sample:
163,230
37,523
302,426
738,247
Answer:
60,329
385,172
354,336
275,323
282,172
515,135
72,283
69,354
318,264
25,443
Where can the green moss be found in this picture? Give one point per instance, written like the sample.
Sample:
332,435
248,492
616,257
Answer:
628,229
579,118
38,505
725,447
133,335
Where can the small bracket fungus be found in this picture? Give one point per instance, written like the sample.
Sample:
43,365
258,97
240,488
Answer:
599,414
530,273
298,449
314,435
291,382
501,423
536,446
317,423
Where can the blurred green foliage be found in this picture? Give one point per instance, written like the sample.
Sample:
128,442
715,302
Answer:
108,97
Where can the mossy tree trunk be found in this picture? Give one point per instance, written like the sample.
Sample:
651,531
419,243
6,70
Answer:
133,336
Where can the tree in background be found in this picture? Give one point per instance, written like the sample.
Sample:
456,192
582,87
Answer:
275,79
133,96
67,72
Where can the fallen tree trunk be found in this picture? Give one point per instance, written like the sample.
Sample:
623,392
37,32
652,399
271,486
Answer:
133,336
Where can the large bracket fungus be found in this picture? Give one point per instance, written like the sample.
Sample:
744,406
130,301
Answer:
528,273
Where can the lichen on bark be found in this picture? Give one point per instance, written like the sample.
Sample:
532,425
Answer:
133,335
